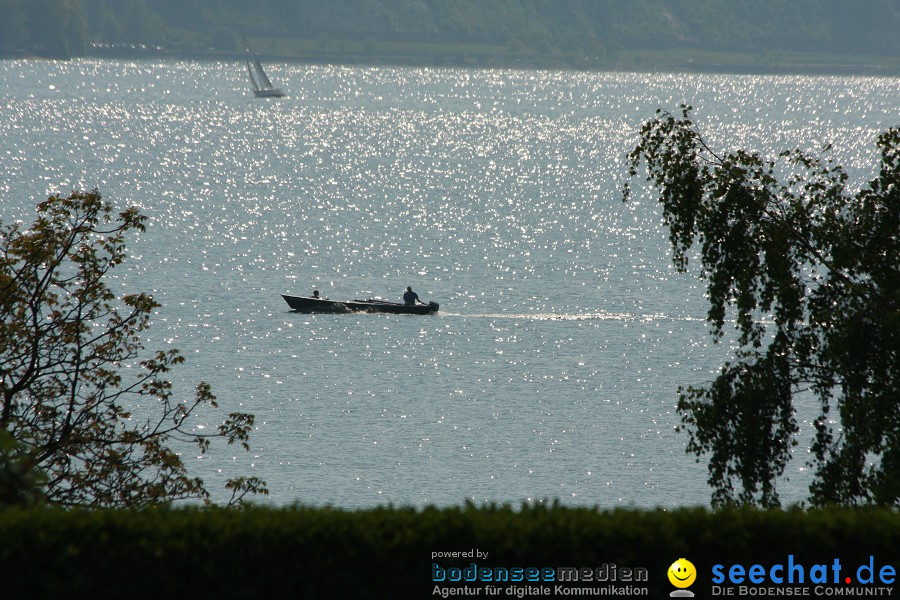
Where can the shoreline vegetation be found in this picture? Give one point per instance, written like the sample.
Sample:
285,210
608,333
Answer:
449,56
763,37
480,57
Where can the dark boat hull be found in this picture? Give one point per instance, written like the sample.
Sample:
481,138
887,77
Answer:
315,305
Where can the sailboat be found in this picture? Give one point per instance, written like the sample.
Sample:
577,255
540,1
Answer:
259,81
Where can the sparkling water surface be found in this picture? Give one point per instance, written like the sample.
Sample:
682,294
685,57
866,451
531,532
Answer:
551,371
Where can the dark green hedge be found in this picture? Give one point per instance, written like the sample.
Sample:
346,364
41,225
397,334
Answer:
387,553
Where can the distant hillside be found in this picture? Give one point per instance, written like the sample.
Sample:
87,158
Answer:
573,33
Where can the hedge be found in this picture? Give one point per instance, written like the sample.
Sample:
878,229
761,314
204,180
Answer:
302,552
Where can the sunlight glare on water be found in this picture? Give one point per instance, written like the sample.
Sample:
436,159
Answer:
564,332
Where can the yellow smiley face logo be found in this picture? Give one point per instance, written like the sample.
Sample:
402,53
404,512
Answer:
682,573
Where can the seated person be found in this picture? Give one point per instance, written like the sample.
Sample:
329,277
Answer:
410,297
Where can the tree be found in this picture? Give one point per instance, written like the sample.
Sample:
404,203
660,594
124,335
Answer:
224,40
14,32
56,28
810,273
21,482
65,342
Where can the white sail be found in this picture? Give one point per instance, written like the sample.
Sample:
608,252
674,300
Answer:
263,79
259,81
252,77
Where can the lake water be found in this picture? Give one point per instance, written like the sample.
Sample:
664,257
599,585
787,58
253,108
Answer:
551,371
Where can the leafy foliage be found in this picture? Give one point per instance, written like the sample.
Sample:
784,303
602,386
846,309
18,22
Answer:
811,274
21,482
65,340
302,552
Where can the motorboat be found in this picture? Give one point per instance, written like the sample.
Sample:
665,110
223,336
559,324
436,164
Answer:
311,304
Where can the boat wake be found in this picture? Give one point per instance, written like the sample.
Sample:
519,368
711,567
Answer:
597,316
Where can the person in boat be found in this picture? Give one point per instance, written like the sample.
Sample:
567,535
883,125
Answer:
317,296
410,297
